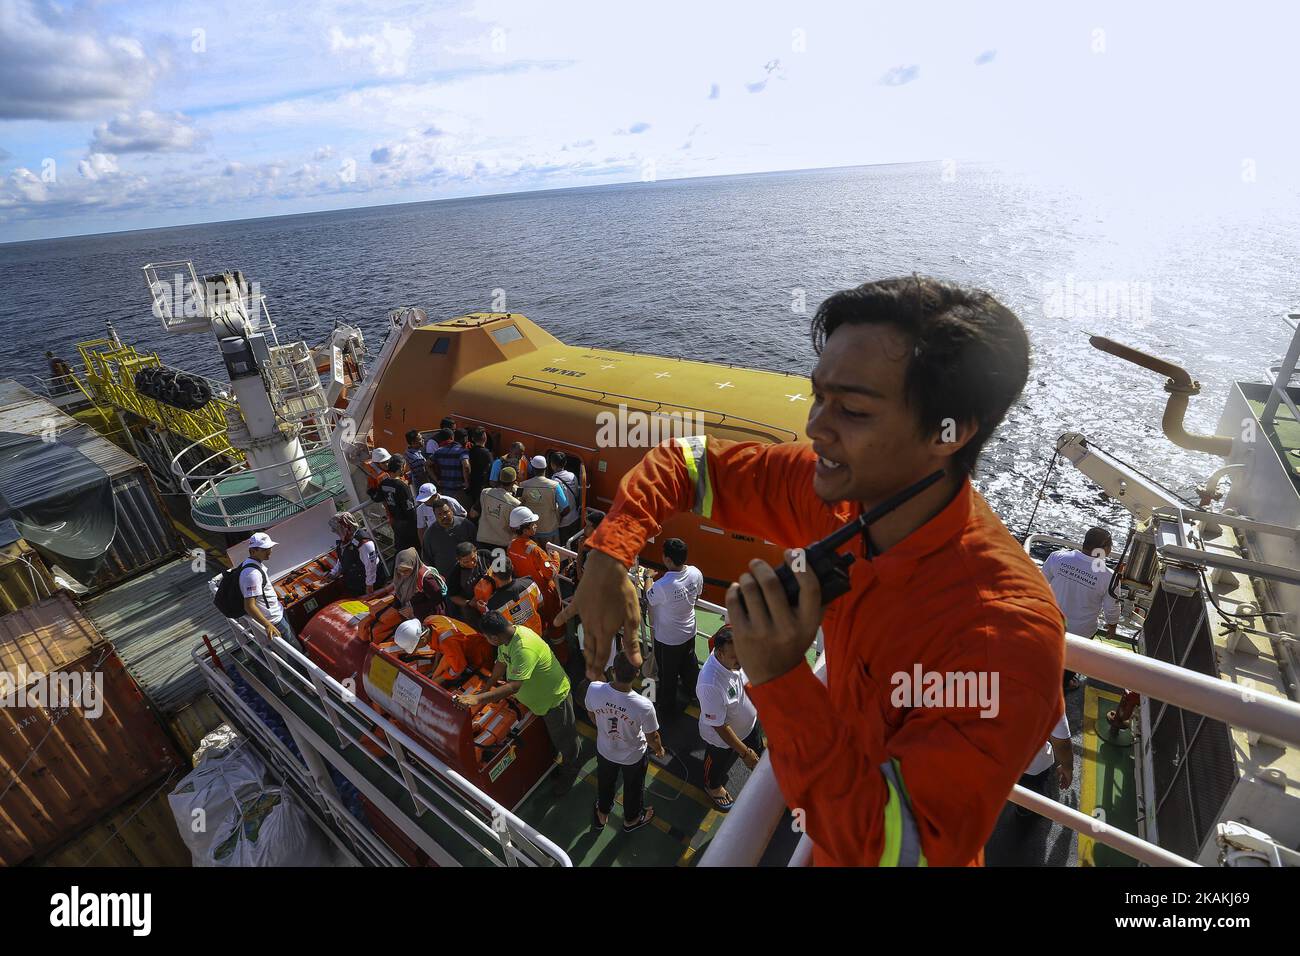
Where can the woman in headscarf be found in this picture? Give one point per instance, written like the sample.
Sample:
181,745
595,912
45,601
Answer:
418,586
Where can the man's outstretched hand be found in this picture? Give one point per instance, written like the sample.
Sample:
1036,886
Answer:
605,600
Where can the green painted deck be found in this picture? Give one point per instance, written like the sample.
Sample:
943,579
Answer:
1108,790
1285,435
235,502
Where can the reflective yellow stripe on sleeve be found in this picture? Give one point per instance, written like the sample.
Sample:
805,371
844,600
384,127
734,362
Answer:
695,453
902,839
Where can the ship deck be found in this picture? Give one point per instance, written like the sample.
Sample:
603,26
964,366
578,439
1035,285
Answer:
236,502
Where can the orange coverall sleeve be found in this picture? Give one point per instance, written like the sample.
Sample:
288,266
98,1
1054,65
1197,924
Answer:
947,771
755,488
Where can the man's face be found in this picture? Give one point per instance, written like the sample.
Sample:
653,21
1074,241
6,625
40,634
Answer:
468,560
445,516
865,434
726,655
259,554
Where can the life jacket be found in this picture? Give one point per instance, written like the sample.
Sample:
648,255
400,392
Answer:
539,494
352,568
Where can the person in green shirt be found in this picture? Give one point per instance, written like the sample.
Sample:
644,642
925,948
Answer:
534,677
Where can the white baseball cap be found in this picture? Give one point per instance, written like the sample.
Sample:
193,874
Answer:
262,540
408,634
521,516
427,491
379,456
538,462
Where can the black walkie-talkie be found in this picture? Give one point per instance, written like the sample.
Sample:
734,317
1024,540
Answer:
831,567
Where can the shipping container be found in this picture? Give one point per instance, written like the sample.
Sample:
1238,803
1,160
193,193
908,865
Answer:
141,832
192,723
24,578
145,536
63,764
154,622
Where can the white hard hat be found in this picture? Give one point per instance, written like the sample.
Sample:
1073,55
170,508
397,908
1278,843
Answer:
522,516
427,491
408,634
538,462
262,540
379,456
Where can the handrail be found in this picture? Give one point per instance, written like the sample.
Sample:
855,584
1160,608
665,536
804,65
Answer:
325,694
747,828
658,403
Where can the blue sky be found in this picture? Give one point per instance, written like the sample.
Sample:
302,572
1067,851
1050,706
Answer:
121,115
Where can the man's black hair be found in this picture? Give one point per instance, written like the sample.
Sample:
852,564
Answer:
723,637
624,670
412,435
1097,539
448,423
558,460
465,549
969,354
442,435
460,435
494,622
675,551
394,464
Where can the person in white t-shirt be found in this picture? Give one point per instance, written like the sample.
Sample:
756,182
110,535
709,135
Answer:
728,720
626,727
261,602
424,515
672,617
1080,581
1057,753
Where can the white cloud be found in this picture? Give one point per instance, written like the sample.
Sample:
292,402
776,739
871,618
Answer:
388,51
146,132
98,166
56,64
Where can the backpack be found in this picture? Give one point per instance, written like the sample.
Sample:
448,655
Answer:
229,599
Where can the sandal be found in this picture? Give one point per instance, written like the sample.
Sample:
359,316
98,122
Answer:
722,803
647,815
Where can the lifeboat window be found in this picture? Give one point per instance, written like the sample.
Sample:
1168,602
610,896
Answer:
507,335
441,346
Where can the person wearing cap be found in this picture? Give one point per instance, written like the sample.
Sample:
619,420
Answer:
515,458
531,560
626,728
495,505
571,516
438,548
419,589
261,602
425,499
728,721
399,501
546,497
471,567
356,557
532,676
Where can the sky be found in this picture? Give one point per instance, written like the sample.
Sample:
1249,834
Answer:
137,114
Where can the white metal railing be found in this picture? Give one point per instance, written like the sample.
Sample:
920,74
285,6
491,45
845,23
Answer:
199,485
747,828
472,815
1278,388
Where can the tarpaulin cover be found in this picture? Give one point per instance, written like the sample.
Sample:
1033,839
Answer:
59,499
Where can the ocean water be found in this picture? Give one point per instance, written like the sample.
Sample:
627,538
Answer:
714,269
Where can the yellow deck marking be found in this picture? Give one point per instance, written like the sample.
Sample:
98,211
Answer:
205,545
1088,782
666,776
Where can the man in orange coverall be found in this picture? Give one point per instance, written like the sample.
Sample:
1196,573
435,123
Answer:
913,376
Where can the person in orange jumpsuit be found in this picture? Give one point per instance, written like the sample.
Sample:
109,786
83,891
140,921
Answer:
944,659
517,598
463,650
531,560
